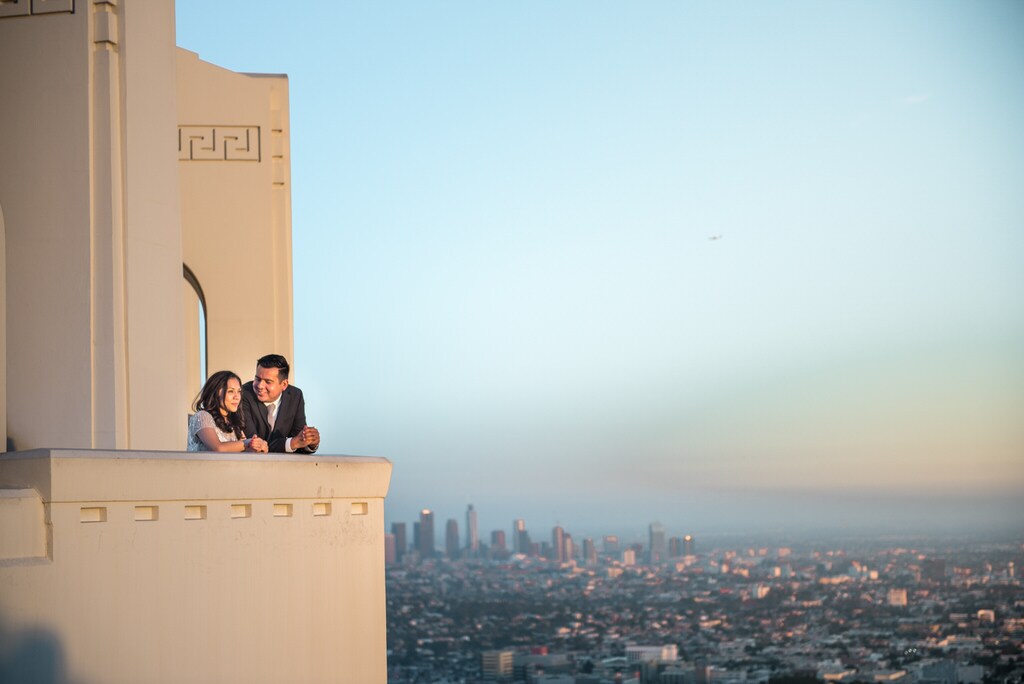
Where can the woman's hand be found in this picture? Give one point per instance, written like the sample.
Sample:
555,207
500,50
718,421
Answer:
257,445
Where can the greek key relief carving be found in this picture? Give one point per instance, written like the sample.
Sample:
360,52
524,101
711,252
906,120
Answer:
219,143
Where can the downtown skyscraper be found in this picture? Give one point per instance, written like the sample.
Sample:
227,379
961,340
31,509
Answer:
518,534
426,535
451,539
472,533
398,530
656,543
558,544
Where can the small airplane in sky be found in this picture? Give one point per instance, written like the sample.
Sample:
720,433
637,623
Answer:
715,237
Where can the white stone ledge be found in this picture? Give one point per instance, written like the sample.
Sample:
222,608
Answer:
69,475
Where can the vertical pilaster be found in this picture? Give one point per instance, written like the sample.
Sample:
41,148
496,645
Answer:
110,406
281,206
154,318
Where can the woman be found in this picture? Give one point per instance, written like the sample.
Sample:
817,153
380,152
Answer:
217,424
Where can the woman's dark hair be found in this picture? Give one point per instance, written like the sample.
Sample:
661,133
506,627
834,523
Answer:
211,400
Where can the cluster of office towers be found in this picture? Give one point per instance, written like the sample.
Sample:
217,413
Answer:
562,548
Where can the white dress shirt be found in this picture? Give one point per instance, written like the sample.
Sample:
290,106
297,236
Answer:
272,418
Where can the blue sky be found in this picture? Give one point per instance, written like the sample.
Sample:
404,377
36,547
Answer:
504,280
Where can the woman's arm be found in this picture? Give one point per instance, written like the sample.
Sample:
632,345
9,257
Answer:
208,436
205,431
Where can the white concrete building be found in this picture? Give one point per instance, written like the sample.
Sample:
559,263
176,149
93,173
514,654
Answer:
129,169
639,654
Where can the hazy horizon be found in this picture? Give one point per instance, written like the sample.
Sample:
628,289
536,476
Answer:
797,518
732,265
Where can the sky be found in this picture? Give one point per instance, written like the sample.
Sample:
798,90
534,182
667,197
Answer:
730,265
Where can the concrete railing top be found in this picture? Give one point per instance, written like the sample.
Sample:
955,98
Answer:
66,475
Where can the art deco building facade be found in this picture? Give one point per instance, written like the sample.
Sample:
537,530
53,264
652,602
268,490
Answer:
128,169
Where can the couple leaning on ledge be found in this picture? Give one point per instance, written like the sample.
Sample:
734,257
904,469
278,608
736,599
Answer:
267,414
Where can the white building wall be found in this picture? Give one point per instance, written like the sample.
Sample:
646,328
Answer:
45,196
89,192
175,567
153,241
124,565
234,170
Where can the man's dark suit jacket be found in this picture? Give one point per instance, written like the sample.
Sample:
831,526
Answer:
291,418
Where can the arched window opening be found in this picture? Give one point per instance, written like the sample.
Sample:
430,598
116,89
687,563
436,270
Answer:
4,446
195,332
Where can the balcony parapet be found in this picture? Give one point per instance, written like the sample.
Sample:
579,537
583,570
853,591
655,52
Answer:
62,475
197,567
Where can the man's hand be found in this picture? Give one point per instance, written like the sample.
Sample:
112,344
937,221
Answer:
257,445
308,438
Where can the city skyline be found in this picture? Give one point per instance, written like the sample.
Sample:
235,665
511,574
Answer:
562,547
537,538
745,266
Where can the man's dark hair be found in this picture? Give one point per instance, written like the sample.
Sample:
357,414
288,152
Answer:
275,361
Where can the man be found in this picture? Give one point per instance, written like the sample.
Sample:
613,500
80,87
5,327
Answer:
276,411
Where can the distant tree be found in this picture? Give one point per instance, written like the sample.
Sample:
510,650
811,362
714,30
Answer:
793,678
